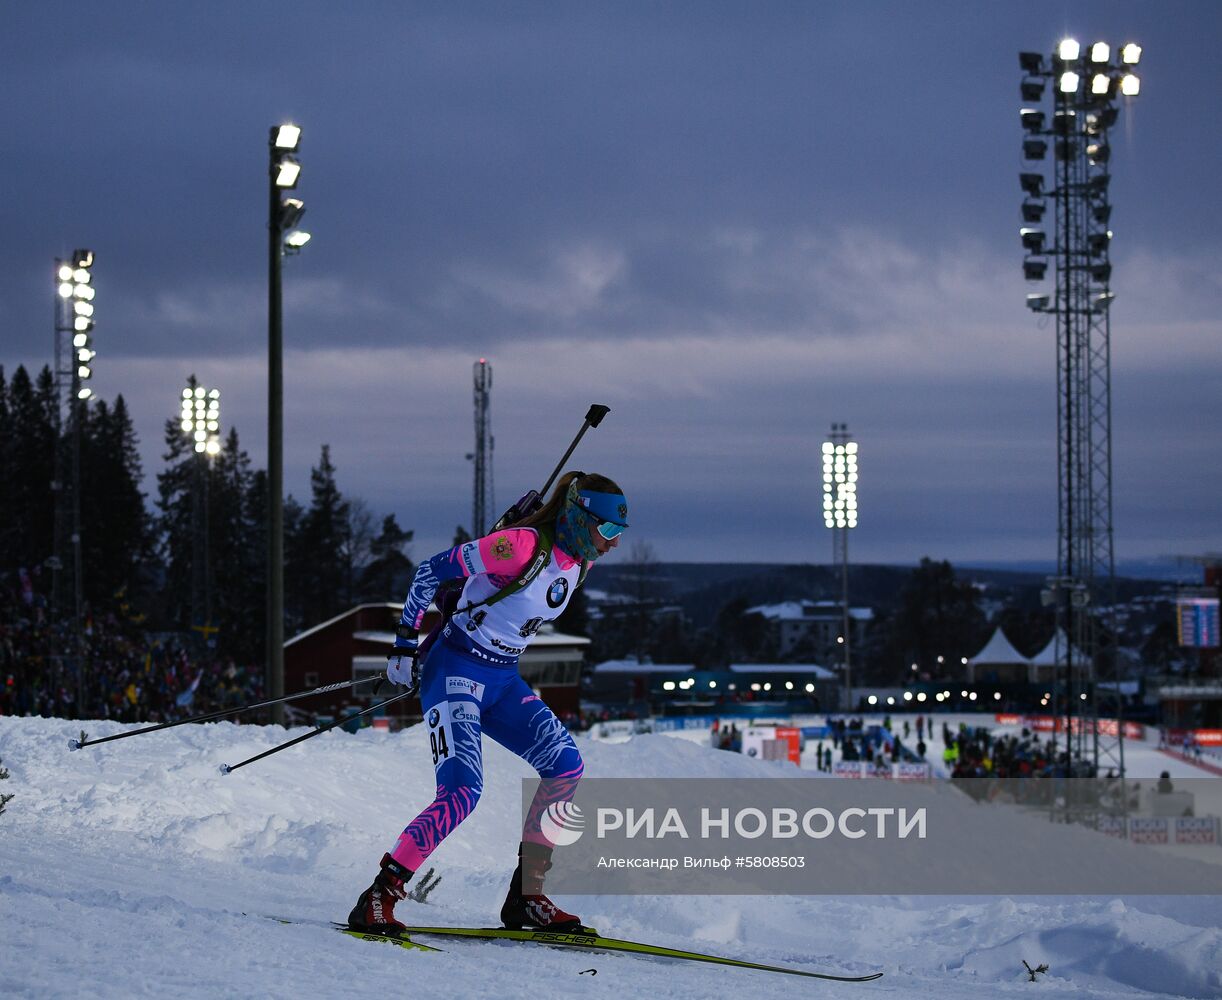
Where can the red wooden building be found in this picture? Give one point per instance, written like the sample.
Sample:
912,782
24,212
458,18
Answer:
354,644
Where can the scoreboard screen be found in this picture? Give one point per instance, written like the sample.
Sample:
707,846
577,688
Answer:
1197,621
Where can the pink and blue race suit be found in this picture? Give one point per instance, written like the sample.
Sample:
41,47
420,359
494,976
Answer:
470,683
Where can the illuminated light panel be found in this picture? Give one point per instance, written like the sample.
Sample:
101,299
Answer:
287,137
840,485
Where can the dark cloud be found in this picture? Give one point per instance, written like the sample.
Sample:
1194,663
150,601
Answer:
734,224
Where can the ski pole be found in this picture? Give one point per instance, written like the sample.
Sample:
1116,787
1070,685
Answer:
78,744
226,768
594,417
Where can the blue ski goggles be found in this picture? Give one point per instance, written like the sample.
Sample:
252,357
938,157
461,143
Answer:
608,529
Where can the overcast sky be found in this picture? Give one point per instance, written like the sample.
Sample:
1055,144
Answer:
733,223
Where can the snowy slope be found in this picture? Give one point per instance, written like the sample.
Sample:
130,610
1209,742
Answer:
125,871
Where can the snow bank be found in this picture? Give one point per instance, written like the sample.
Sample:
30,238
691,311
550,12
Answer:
126,871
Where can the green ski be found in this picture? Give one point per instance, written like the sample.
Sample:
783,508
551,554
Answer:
596,942
402,940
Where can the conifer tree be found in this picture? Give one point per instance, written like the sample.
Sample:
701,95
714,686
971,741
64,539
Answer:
32,424
389,571
319,559
237,539
116,531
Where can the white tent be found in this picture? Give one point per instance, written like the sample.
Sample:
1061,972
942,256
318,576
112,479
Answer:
999,653
1045,660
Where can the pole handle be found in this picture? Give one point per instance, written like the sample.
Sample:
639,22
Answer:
594,417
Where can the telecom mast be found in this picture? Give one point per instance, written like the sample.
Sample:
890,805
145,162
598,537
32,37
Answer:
482,456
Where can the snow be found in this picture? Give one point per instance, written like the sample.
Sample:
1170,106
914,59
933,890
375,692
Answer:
126,870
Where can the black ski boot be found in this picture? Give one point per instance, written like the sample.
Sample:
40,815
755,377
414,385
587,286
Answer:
375,910
525,905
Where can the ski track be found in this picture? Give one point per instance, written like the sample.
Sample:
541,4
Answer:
128,870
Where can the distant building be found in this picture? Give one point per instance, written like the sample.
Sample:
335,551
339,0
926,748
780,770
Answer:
678,687
813,625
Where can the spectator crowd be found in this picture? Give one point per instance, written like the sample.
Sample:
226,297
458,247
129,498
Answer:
109,668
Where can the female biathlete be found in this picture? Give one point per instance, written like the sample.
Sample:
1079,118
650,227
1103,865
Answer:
470,685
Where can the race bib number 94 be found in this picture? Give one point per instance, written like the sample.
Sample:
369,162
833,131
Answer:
438,721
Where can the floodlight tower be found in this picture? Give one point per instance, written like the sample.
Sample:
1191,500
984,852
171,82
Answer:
200,422
482,456
1087,85
840,515
283,215
74,354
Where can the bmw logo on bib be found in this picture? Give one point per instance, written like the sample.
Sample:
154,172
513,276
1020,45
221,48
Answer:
557,592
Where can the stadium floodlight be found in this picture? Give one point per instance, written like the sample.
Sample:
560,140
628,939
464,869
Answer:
1035,149
283,173
1038,303
1100,52
1101,214
295,240
1069,50
1101,272
291,211
1098,243
1069,82
1130,55
1100,84
287,172
1101,302
1032,89
1033,210
1031,62
1033,239
1130,86
1032,119
1098,152
840,514
286,137
1034,270
840,484
84,392
201,418
65,272
1032,184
